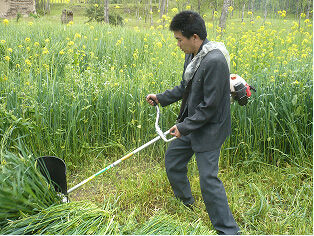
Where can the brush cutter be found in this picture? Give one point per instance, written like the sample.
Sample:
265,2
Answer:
54,168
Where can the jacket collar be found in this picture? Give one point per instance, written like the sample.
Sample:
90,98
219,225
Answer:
204,42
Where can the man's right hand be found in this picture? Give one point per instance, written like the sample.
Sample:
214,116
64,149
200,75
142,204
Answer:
151,97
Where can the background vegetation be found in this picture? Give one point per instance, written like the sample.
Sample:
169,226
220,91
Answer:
78,91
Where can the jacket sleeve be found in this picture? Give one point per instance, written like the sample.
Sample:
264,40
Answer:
171,95
215,74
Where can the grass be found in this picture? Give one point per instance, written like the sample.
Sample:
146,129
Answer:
92,100
77,92
264,199
136,198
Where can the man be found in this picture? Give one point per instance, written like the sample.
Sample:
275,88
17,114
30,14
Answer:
204,121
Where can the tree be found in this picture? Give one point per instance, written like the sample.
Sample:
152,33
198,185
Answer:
106,11
309,3
224,14
162,8
265,13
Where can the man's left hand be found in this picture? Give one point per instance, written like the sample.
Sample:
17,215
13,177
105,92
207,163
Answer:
175,132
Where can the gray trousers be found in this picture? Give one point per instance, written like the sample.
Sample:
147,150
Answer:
177,157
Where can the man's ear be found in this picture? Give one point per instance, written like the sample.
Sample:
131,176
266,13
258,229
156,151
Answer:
195,37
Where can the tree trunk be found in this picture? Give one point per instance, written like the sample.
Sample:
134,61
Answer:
308,9
297,13
162,8
265,12
224,14
48,6
199,6
106,11
151,9
243,9
252,9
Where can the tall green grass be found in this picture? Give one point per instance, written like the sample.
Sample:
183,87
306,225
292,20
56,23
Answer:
77,91
23,190
264,199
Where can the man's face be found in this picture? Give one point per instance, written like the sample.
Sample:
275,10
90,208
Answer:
185,44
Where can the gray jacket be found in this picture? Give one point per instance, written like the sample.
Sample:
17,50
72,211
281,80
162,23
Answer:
207,120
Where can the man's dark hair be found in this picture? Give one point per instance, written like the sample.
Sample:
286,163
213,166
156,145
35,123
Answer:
189,23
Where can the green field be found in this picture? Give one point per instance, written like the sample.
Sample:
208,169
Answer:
77,91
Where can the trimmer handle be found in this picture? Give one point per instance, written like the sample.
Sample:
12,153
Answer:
158,130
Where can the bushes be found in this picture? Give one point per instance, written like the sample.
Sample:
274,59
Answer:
95,12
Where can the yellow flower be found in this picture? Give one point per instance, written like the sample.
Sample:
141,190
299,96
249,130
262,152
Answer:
2,41
10,49
210,25
118,42
164,17
175,10
258,17
230,9
45,51
61,52
306,21
77,35
215,13
46,66
36,44
30,23
117,6
96,5
70,43
250,13
295,82
28,48
47,40
7,58
20,46
303,15
17,65
5,21
4,78
159,44
28,62
188,7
